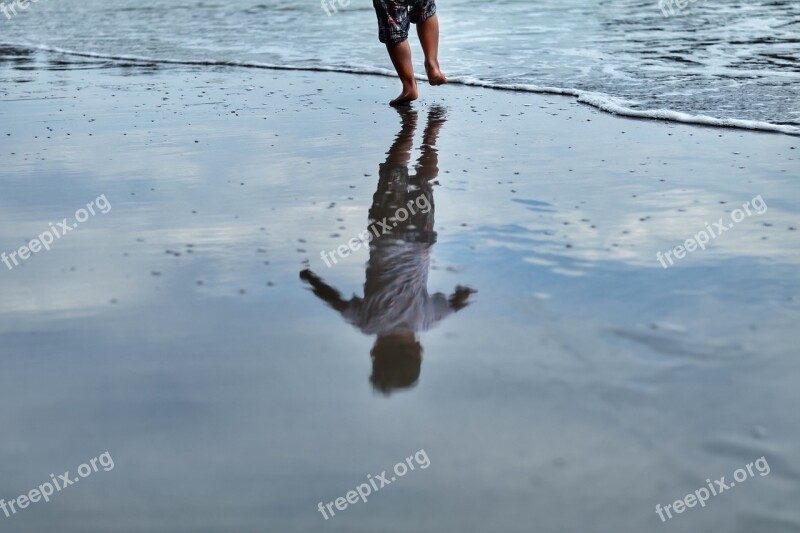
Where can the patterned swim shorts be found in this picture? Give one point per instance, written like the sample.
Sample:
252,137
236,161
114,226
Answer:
396,16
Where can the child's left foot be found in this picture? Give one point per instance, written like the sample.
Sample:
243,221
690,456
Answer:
435,76
408,95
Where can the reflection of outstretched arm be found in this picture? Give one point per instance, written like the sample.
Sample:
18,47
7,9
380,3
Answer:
442,306
460,299
324,291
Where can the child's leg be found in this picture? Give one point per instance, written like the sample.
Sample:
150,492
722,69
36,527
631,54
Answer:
400,53
423,14
428,32
393,24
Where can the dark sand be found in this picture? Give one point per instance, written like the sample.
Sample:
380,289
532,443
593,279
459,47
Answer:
583,385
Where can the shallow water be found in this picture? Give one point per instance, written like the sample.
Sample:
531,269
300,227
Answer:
718,58
582,385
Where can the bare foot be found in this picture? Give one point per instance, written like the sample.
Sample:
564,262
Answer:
408,95
435,76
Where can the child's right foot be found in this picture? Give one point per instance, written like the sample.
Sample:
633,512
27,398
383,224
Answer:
435,76
408,95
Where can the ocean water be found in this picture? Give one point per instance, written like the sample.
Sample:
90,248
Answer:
732,62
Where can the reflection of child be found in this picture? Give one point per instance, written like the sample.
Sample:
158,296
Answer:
396,303
396,306
394,19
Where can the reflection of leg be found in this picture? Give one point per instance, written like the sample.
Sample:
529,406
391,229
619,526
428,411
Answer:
428,32
393,174
437,116
400,54
399,153
428,162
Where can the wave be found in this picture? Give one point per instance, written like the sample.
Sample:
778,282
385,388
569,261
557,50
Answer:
600,101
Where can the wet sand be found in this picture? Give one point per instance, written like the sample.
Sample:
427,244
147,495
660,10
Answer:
572,387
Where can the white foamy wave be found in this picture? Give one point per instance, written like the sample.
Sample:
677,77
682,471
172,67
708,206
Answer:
613,105
600,101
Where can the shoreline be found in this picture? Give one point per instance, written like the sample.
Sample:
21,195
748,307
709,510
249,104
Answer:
603,102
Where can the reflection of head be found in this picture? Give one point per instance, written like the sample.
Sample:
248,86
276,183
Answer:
396,362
